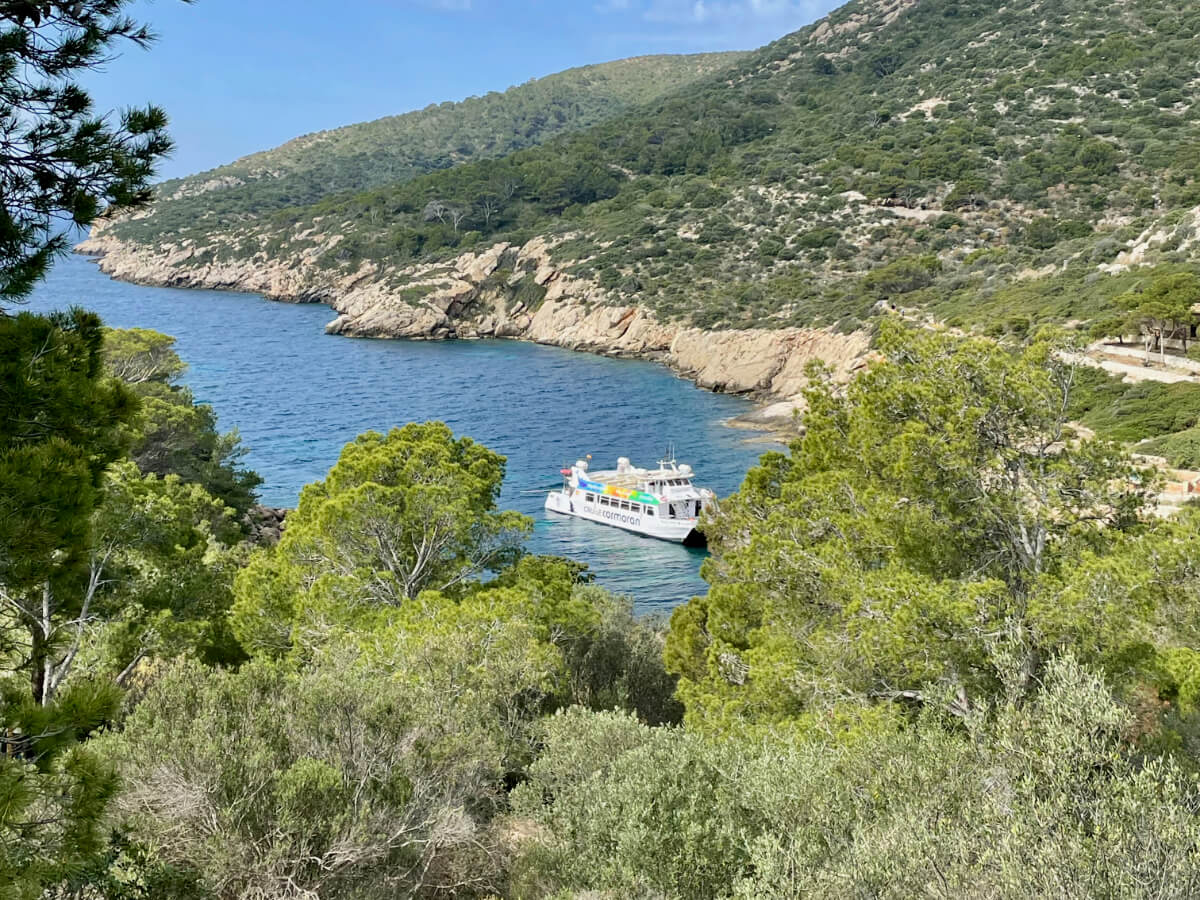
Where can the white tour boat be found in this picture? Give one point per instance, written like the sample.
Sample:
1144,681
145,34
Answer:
661,503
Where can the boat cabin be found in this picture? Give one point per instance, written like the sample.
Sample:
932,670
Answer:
665,492
661,502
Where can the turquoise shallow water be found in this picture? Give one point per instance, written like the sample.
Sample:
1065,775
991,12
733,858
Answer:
298,395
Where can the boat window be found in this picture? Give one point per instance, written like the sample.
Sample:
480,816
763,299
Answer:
589,498
649,510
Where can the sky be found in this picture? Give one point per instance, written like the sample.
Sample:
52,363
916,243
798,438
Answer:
236,76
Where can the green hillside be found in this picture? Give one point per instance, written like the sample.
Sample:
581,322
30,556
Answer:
399,148
947,155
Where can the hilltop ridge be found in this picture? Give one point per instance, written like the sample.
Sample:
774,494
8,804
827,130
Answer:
398,148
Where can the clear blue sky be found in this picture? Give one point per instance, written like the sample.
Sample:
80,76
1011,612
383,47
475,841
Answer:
237,76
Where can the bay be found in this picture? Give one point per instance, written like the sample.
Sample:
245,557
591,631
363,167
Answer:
297,396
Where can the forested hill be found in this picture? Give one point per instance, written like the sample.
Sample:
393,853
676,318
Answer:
984,161
398,148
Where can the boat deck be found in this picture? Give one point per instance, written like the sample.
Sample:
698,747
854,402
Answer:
631,479
617,479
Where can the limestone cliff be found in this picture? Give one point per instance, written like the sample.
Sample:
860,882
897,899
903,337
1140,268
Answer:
506,291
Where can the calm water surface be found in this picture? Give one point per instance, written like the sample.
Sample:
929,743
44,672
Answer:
297,395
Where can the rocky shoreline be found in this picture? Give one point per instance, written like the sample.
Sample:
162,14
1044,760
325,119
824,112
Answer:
476,296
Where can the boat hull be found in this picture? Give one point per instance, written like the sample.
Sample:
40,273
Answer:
679,531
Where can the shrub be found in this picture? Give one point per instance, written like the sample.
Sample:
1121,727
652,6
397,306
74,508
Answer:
1041,799
818,237
903,276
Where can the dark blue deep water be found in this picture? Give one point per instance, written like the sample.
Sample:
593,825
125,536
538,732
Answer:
297,395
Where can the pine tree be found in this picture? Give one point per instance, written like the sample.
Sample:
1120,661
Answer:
62,419
60,426
61,162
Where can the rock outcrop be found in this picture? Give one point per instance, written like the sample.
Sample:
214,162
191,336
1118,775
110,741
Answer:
507,291
265,524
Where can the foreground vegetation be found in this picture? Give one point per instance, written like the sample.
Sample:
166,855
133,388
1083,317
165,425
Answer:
946,648
938,620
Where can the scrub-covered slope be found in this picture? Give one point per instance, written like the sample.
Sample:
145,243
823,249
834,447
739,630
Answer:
399,148
998,164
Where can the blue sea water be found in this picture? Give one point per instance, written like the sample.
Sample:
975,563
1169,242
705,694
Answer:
297,396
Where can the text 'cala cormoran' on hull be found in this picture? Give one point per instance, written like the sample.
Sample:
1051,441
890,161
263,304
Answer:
660,503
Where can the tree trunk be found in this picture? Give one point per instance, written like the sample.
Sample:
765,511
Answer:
37,664
1031,668
39,650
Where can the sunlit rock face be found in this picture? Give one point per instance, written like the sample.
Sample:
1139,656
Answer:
480,295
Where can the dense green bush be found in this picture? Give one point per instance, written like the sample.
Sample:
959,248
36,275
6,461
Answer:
1134,412
174,434
1043,799
349,780
1180,449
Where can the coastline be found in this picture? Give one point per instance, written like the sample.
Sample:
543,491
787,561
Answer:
473,297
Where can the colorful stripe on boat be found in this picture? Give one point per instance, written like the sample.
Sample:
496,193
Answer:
622,493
